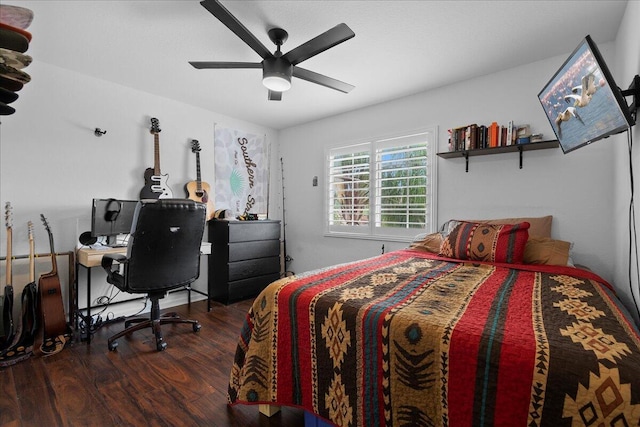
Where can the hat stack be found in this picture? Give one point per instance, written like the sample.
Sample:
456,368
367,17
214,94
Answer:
14,42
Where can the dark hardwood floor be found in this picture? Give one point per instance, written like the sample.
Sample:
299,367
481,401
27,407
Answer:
185,385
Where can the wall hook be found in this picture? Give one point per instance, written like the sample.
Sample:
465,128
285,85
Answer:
99,132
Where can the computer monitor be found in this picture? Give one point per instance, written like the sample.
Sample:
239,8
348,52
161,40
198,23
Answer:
582,101
112,217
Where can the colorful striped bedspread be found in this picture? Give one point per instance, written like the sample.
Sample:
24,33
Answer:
410,339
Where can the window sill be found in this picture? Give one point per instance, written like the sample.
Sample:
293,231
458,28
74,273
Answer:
380,238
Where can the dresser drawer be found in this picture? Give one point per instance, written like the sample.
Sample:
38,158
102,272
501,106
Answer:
250,250
246,231
253,267
222,232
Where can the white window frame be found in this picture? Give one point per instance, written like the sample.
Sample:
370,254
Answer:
370,231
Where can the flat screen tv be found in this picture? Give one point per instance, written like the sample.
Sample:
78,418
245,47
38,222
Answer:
112,217
582,101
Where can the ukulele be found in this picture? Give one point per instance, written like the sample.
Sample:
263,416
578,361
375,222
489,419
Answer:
198,190
155,183
54,320
8,328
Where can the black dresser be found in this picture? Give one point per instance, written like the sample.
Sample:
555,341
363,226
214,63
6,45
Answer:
245,258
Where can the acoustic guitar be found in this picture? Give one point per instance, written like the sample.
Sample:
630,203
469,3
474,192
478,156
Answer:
8,328
155,183
199,190
54,322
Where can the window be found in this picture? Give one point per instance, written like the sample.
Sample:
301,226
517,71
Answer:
383,188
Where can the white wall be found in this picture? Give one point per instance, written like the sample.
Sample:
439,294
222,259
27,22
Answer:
52,163
575,188
627,65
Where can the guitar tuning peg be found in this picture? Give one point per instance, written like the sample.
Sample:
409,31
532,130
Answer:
99,132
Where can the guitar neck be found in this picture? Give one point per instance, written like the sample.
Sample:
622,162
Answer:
156,154
54,263
32,256
198,179
9,255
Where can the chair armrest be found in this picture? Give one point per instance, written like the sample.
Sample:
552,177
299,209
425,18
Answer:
109,259
111,264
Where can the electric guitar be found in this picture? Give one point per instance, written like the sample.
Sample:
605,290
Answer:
30,298
54,320
199,190
8,328
155,183
23,348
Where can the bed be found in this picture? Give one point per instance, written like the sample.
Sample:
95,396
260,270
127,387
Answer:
459,329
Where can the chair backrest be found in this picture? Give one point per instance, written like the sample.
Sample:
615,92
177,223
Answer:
164,246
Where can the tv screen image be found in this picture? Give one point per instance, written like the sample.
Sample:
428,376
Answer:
582,102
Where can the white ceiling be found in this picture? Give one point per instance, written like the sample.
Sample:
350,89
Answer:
400,47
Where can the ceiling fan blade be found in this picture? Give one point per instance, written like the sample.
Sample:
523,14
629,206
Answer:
220,12
316,45
209,64
321,79
275,96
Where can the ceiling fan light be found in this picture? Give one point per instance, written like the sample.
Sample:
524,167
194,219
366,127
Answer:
276,83
276,74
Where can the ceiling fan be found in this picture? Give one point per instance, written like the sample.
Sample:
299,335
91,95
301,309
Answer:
278,68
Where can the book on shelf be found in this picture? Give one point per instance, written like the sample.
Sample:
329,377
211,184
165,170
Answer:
523,134
510,133
474,136
494,135
463,138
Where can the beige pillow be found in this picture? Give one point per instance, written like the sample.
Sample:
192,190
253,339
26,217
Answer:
543,250
429,243
538,226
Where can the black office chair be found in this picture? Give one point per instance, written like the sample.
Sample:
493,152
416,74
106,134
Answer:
163,253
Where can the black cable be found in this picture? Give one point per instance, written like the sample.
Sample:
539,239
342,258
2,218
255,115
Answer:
105,300
92,324
95,322
633,233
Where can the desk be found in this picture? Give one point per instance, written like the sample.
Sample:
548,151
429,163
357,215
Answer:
90,258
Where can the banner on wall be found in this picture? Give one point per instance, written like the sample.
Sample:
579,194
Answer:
241,171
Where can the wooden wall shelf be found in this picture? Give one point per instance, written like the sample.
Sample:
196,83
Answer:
497,150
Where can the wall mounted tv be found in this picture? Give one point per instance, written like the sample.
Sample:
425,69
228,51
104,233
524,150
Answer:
112,217
583,102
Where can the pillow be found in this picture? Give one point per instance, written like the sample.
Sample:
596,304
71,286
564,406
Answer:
543,250
428,243
486,242
538,226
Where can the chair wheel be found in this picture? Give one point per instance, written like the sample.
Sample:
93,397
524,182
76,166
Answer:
113,346
161,346
197,327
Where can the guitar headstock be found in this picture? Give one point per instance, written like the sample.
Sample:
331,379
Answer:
7,215
30,227
195,146
155,126
44,221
